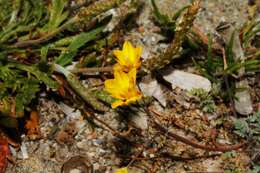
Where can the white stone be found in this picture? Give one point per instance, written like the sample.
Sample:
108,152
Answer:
75,171
24,151
150,87
140,120
243,103
187,81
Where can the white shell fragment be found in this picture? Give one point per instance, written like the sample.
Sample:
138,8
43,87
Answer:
187,81
140,121
24,151
150,87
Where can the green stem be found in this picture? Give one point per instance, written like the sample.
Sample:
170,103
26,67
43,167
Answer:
80,89
239,65
47,37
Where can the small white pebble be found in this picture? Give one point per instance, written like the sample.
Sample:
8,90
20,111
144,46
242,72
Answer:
24,151
96,166
152,155
75,171
12,151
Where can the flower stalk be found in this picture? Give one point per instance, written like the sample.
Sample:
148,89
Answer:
174,49
80,89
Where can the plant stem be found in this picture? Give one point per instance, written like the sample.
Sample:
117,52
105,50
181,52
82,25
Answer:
92,70
80,89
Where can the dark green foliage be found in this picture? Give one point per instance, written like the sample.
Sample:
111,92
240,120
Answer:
248,127
6,10
205,100
212,66
22,82
57,15
249,32
77,42
39,25
25,94
160,18
25,16
41,76
166,23
213,69
7,121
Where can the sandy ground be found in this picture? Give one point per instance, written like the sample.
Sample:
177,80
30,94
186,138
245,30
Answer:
65,135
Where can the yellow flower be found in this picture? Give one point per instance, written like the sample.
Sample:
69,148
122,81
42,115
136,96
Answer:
122,170
123,88
128,58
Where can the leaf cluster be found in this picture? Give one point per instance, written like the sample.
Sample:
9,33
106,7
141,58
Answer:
213,69
205,100
25,21
249,31
166,23
248,127
21,19
20,83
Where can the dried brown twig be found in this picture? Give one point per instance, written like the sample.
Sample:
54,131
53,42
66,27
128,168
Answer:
218,147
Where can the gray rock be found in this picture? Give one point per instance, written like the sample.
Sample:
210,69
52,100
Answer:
243,103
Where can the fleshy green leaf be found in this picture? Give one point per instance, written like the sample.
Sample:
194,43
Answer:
66,57
41,76
26,94
57,14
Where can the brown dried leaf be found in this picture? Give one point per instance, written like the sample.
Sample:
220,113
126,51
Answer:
4,153
32,125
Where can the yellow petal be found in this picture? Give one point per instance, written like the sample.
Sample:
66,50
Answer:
117,103
128,57
122,170
127,47
120,57
114,89
119,86
110,85
133,99
129,52
138,52
132,76
118,67
122,79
